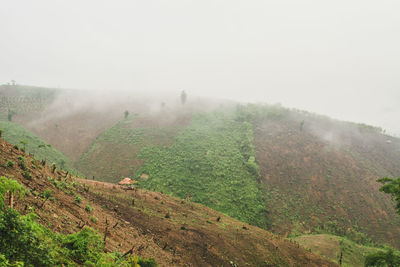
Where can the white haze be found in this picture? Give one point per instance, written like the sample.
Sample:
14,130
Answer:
339,58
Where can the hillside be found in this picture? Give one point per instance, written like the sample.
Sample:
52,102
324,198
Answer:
174,232
310,172
329,169
19,136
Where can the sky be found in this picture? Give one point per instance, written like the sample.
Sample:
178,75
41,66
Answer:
337,58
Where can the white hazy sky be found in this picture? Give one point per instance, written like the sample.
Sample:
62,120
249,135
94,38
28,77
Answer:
339,58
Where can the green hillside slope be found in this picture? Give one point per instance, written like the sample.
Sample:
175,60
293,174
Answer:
212,162
17,135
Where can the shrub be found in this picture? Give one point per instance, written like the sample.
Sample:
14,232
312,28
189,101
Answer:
21,239
83,246
10,163
78,199
93,219
88,208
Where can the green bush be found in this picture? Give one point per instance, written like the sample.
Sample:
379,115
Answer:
88,208
78,199
23,240
83,246
10,163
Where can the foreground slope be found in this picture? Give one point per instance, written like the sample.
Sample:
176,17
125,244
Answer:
172,231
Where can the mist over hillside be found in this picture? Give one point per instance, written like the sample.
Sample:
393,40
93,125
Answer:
204,133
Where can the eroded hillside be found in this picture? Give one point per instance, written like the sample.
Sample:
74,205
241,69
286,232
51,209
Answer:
173,231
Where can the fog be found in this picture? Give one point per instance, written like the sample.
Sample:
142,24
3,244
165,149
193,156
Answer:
338,58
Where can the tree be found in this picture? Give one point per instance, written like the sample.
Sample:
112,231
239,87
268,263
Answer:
183,97
11,187
126,114
392,187
10,114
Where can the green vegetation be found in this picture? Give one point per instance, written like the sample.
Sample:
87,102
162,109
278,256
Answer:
88,208
23,242
333,247
10,163
113,155
382,259
16,134
392,187
213,162
78,199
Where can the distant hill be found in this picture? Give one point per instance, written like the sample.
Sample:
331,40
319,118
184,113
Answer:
149,224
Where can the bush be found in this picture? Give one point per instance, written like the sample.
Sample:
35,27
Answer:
78,199
83,246
21,239
10,163
88,208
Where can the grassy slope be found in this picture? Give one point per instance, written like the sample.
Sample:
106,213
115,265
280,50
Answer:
330,246
113,155
191,236
14,133
208,162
